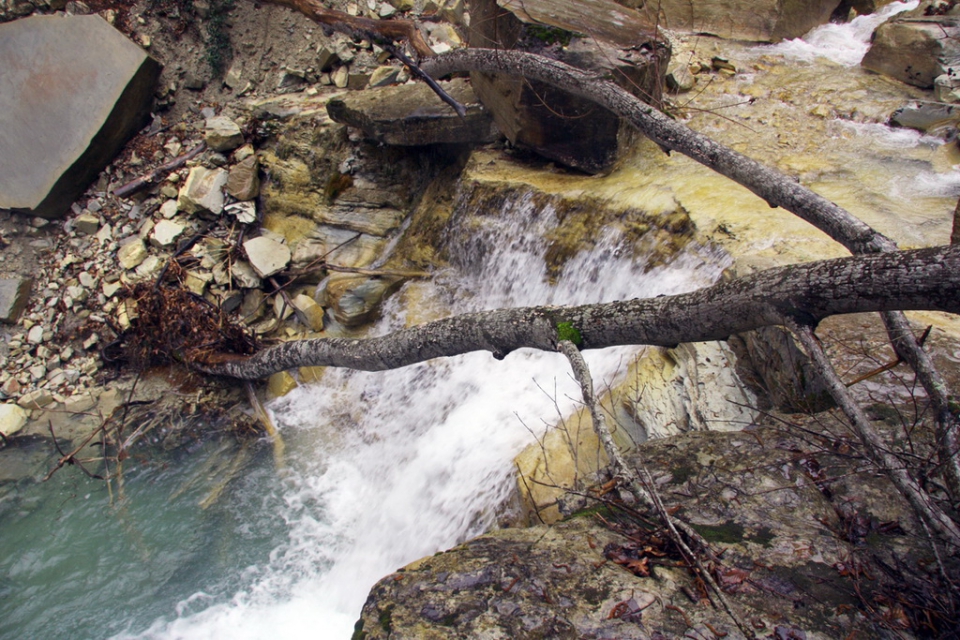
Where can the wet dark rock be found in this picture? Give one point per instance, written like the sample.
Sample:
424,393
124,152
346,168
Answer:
355,300
926,116
554,124
72,91
413,115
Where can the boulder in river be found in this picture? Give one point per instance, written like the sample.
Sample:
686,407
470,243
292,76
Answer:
596,35
72,91
915,47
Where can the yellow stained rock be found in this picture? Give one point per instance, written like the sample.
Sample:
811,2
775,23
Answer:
280,384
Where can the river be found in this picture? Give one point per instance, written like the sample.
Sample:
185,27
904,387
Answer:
379,469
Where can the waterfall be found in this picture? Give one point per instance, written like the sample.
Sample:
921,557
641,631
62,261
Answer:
844,43
388,467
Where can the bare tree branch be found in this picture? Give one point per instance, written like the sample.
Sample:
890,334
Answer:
922,279
640,482
874,448
774,187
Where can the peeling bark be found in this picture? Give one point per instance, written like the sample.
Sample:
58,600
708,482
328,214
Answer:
926,279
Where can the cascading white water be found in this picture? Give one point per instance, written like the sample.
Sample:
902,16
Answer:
388,467
845,43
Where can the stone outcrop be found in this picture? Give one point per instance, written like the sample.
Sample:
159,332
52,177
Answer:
12,419
759,21
916,47
572,580
693,387
413,115
222,134
72,91
267,256
552,123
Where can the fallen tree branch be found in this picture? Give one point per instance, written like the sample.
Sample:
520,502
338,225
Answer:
874,448
927,279
141,183
776,188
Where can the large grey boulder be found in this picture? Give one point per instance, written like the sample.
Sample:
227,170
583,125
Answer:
354,300
915,48
759,20
412,115
596,35
72,91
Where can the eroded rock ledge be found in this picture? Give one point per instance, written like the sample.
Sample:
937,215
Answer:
789,514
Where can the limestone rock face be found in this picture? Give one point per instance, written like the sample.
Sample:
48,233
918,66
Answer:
243,183
619,42
72,91
12,419
222,134
914,48
411,115
760,21
266,255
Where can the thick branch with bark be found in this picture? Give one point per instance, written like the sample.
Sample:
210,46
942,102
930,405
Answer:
927,279
774,187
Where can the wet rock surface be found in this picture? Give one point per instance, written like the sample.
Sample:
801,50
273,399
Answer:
325,196
412,115
762,21
918,47
762,500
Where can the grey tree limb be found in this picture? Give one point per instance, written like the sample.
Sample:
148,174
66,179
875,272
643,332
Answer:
773,186
923,279
640,482
874,448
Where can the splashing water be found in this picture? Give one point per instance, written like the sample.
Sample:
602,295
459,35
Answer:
389,467
845,44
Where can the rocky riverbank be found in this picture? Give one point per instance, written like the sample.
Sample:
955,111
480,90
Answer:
306,183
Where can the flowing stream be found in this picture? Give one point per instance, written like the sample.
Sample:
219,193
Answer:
380,468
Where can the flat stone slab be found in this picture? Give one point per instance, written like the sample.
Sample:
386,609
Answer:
14,293
72,91
413,115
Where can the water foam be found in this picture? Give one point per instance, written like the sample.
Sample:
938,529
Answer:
389,467
845,43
